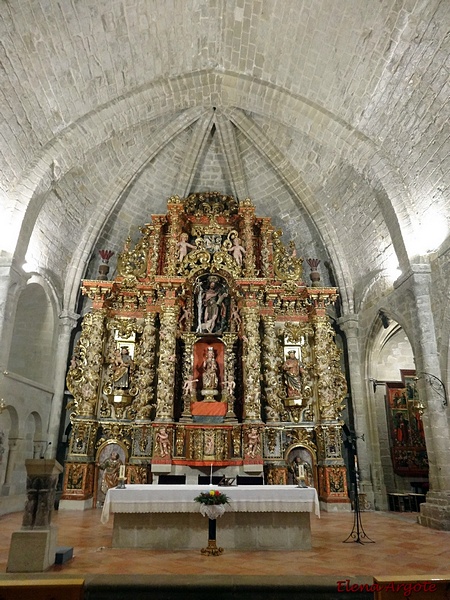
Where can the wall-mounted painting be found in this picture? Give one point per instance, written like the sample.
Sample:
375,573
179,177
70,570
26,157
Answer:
408,449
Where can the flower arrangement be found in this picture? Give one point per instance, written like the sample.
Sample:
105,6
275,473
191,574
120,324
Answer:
213,497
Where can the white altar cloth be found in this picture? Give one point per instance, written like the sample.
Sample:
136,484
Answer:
180,499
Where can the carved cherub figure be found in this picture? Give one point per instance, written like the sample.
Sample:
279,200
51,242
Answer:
238,251
184,246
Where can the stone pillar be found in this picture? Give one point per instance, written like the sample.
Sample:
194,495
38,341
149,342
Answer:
166,368
13,445
367,464
251,365
435,512
67,322
33,547
12,281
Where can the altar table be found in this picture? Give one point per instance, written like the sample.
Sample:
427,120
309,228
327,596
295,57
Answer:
165,517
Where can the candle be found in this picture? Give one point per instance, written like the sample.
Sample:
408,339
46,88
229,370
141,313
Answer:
301,471
210,475
122,472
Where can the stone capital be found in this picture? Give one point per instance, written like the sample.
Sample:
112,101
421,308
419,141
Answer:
349,324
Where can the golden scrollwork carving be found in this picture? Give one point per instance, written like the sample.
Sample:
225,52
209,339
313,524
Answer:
287,267
118,432
251,363
217,258
271,436
295,333
166,367
145,363
84,373
236,440
272,363
301,436
210,203
331,383
329,441
82,437
180,440
132,263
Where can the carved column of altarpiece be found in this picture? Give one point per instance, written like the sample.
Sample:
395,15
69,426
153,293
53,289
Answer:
207,349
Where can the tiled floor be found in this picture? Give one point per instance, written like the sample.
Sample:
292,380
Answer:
402,547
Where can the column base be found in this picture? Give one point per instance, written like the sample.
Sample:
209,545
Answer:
82,504
32,551
435,511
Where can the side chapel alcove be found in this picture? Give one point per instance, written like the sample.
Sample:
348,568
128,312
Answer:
207,352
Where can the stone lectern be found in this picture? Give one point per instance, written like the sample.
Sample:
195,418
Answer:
33,547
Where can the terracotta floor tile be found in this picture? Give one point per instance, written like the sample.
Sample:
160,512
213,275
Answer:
402,547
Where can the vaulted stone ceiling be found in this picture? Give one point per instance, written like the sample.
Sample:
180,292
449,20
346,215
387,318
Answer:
331,115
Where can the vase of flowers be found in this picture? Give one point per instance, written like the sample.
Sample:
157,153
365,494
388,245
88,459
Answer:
212,505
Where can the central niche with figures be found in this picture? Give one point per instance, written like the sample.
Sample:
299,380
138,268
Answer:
209,340
211,304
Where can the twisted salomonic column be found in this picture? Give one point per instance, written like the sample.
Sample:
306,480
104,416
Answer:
154,243
267,249
272,363
166,367
189,385
331,384
229,367
145,361
84,375
175,208
331,391
247,212
251,364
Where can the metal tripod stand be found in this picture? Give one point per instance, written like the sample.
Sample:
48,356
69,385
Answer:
357,533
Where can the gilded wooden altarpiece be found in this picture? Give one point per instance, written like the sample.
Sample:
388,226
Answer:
207,350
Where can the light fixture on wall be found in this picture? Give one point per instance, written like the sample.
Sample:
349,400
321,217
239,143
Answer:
376,383
435,383
2,405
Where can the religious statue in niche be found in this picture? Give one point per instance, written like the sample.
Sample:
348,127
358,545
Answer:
210,377
293,375
163,442
300,468
185,317
252,443
110,467
212,304
122,365
300,461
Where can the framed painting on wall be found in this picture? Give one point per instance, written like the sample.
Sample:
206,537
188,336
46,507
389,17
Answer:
407,439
